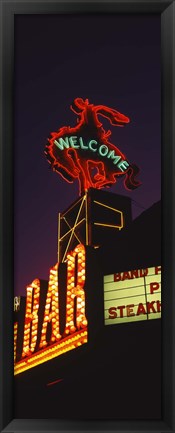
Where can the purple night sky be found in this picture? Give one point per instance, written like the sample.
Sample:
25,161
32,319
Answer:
110,59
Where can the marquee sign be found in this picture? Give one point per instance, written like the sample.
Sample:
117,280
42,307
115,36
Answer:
84,152
132,296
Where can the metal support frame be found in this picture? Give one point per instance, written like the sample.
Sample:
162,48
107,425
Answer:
71,230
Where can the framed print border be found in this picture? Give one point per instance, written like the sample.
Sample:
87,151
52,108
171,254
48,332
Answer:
166,9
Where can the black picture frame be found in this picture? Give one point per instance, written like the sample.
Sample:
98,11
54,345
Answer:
8,9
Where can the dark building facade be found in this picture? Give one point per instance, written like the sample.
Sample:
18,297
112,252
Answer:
117,373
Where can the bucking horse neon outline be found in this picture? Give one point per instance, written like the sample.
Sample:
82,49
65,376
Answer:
84,151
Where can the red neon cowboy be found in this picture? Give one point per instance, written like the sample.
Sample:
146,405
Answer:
84,152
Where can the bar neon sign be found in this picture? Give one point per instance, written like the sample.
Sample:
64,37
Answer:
75,333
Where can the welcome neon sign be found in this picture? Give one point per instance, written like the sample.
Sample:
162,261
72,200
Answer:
102,150
84,152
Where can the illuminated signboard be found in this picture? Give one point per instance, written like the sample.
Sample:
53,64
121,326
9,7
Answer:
84,152
51,343
132,296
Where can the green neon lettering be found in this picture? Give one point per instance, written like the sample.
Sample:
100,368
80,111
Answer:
61,143
105,150
90,145
82,144
123,165
112,155
73,141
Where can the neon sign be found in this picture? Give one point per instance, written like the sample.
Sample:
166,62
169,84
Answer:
84,152
93,145
53,344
